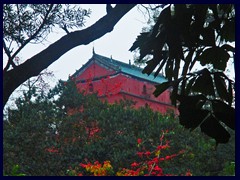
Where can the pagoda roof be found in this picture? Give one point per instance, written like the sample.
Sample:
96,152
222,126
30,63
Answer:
122,67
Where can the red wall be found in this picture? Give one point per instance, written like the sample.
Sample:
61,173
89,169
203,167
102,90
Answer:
93,71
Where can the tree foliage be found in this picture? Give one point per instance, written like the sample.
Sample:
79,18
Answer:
184,35
47,134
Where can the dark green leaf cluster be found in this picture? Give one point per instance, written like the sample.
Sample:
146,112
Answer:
183,35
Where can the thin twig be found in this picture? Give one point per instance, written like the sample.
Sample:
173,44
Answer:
10,59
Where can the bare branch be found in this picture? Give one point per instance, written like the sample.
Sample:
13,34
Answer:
6,49
10,60
147,9
156,7
34,35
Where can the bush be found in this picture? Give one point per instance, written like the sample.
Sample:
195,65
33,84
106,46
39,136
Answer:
42,139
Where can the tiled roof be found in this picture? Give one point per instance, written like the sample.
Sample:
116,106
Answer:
124,68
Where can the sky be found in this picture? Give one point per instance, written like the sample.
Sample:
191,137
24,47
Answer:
115,43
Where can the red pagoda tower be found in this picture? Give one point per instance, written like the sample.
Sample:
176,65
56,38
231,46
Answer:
113,80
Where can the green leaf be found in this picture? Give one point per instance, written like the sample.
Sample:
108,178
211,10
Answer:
196,58
189,85
151,65
160,88
163,19
230,92
161,64
183,86
208,36
176,68
228,47
159,68
221,87
214,129
224,113
15,169
139,41
174,92
187,62
169,69
204,83
191,102
192,118
216,56
191,112
174,43
228,31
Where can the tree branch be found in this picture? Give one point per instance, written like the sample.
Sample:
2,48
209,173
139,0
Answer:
65,29
23,44
10,60
33,66
147,9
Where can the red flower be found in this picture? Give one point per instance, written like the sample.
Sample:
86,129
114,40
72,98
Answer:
140,154
134,164
174,155
160,147
155,160
147,153
161,159
150,163
82,165
163,147
188,173
157,168
96,162
139,141
153,173
168,157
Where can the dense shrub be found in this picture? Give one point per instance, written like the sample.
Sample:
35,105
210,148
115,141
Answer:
42,139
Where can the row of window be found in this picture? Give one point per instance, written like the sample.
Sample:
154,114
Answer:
90,88
144,91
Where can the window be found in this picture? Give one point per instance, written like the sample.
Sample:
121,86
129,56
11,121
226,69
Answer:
144,89
90,87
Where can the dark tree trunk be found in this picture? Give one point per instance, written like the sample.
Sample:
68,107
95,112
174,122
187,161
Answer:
33,66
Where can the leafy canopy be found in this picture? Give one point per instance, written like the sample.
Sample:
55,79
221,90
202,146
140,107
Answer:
47,134
184,35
